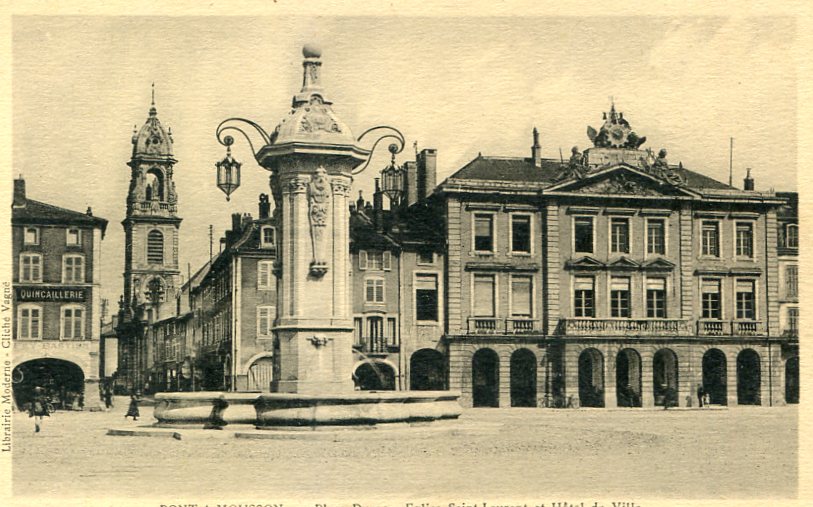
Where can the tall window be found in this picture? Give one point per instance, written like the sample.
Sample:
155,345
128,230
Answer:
31,236
73,237
374,290
792,236
656,298
392,330
792,281
584,297
711,302
265,275
656,237
73,269
521,234
73,323
265,320
620,235
30,268
746,300
484,233
710,238
358,330
793,320
267,237
620,297
484,299
29,322
426,297
745,239
583,234
521,296
155,247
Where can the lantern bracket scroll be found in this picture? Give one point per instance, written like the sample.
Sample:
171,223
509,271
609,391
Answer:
382,132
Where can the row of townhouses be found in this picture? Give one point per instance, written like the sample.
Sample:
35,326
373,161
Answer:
612,278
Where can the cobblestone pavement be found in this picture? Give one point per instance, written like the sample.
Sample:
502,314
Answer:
506,453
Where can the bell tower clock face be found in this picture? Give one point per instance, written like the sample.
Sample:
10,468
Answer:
618,135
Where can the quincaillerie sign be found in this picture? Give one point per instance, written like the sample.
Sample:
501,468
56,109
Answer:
74,294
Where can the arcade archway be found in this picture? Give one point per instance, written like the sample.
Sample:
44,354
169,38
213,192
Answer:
427,371
485,372
523,378
714,376
665,377
591,378
63,381
375,376
628,378
749,378
792,380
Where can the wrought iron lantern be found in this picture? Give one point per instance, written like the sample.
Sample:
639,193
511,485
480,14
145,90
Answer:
228,170
393,179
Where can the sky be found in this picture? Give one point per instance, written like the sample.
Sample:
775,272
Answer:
460,85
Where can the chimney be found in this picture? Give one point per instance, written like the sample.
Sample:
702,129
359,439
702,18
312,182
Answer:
236,220
89,212
378,207
360,202
536,150
427,172
411,182
748,182
265,206
19,193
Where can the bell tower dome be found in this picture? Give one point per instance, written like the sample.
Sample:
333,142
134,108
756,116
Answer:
151,226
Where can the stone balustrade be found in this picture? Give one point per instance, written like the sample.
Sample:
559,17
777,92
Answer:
625,327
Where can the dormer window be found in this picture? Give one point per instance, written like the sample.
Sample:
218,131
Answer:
31,236
74,237
267,237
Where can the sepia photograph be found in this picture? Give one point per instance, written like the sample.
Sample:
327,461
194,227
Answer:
401,258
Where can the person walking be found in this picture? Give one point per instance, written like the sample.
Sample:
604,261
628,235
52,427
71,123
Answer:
700,394
108,398
38,408
132,411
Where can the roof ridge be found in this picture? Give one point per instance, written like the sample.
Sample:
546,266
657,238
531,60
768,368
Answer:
65,210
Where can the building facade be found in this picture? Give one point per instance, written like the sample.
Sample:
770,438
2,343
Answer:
56,259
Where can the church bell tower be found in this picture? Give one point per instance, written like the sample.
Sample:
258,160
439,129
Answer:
151,227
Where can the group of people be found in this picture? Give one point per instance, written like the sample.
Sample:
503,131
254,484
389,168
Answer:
703,396
40,406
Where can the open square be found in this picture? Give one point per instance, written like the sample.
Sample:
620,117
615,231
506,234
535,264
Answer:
747,452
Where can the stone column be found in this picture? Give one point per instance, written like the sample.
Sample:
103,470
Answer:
610,396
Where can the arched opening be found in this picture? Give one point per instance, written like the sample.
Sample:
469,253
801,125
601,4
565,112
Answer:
792,380
374,376
628,378
260,374
665,378
749,378
485,378
523,378
427,371
154,188
63,381
714,377
591,378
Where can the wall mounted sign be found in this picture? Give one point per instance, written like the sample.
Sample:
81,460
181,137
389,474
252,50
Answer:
67,294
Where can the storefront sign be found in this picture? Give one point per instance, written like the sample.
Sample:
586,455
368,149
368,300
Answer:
71,294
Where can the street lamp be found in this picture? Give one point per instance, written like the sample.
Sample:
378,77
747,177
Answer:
228,170
393,180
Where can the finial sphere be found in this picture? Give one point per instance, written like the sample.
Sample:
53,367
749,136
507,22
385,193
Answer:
311,51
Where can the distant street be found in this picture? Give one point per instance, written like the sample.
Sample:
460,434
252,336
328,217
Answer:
509,453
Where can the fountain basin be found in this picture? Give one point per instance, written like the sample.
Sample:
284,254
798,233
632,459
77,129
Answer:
356,408
275,410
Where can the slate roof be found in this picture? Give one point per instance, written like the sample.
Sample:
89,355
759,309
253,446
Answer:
789,211
36,212
516,169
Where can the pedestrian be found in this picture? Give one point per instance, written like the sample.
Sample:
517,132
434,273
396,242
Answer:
706,398
108,398
132,411
38,408
700,394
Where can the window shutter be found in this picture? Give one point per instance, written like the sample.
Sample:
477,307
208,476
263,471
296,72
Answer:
387,261
622,284
362,260
583,283
656,284
711,286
